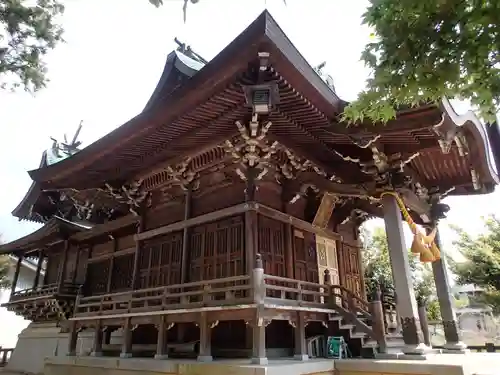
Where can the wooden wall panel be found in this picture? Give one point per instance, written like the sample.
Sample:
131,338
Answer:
103,248
96,281
125,242
269,193
165,215
218,199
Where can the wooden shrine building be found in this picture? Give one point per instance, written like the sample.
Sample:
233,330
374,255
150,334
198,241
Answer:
223,219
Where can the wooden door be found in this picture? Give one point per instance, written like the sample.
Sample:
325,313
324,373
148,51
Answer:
350,266
271,246
306,261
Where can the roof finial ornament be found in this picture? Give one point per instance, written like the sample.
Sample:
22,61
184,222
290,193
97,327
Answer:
62,150
186,50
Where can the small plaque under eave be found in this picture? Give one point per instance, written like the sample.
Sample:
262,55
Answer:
325,210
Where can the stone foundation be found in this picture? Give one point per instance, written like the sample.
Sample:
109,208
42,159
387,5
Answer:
441,364
44,340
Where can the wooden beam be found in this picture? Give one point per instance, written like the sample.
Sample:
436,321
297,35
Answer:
201,219
297,223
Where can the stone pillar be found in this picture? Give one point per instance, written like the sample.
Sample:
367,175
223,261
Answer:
401,274
424,323
300,338
450,325
258,326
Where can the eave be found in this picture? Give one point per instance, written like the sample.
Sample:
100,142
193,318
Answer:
55,230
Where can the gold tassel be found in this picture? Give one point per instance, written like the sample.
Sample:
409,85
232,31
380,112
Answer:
426,256
417,246
429,239
435,251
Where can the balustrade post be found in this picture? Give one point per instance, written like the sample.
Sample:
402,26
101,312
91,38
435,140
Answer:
300,338
205,353
97,344
127,339
258,281
161,345
327,282
378,320
73,338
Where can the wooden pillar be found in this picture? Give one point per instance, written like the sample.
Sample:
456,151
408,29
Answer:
76,267
185,234
300,338
161,345
454,343
16,274
288,232
97,344
135,270
111,265
127,339
401,273
38,270
205,354
73,338
188,200
62,270
251,237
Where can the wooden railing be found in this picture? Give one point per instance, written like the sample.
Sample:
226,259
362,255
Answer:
217,292
66,289
5,354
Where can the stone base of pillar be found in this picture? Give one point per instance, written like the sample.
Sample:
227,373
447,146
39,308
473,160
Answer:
96,354
420,349
204,358
259,361
161,356
125,355
455,348
301,357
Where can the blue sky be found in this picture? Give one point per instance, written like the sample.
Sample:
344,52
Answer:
114,55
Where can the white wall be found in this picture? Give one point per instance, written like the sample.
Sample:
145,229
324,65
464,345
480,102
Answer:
11,324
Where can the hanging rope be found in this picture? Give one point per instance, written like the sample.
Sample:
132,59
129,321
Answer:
424,245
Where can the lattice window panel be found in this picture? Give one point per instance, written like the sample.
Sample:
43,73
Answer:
97,277
52,271
160,261
217,250
272,250
123,267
